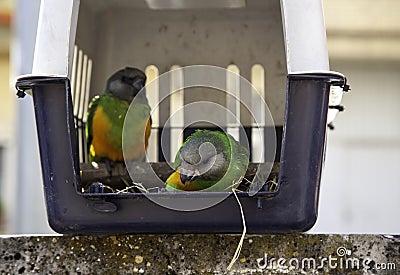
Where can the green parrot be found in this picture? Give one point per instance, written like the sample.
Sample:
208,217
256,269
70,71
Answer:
106,115
210,160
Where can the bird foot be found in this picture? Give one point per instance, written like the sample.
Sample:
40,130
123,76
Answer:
96,188
110,165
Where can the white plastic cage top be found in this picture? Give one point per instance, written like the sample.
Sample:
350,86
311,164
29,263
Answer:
262,40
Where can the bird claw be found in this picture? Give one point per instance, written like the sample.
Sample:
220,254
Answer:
96,188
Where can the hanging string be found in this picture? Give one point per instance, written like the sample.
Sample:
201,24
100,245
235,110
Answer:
239,247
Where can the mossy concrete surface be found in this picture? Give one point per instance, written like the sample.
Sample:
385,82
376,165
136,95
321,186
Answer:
200,254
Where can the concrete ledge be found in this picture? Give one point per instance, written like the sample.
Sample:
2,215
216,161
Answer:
200,254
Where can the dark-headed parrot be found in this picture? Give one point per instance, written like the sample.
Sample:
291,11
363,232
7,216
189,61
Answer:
106,115
209,159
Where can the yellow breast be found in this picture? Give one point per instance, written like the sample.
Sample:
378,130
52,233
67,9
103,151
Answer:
102,146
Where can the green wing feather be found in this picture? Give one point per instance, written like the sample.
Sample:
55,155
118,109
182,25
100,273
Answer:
89,121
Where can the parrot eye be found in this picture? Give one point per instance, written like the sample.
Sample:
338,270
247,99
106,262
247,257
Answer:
125,79
138,83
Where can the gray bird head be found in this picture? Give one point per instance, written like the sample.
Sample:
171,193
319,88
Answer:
201,160
126,84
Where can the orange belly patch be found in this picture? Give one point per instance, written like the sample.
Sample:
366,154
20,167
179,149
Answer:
101,146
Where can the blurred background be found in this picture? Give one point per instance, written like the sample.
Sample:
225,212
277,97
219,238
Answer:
360,188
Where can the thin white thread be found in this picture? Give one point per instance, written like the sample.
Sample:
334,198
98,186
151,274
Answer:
239,247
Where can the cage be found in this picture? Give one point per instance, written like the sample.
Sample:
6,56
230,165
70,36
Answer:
278,46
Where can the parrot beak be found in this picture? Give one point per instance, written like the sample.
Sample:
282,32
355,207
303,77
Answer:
184,178
188,176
